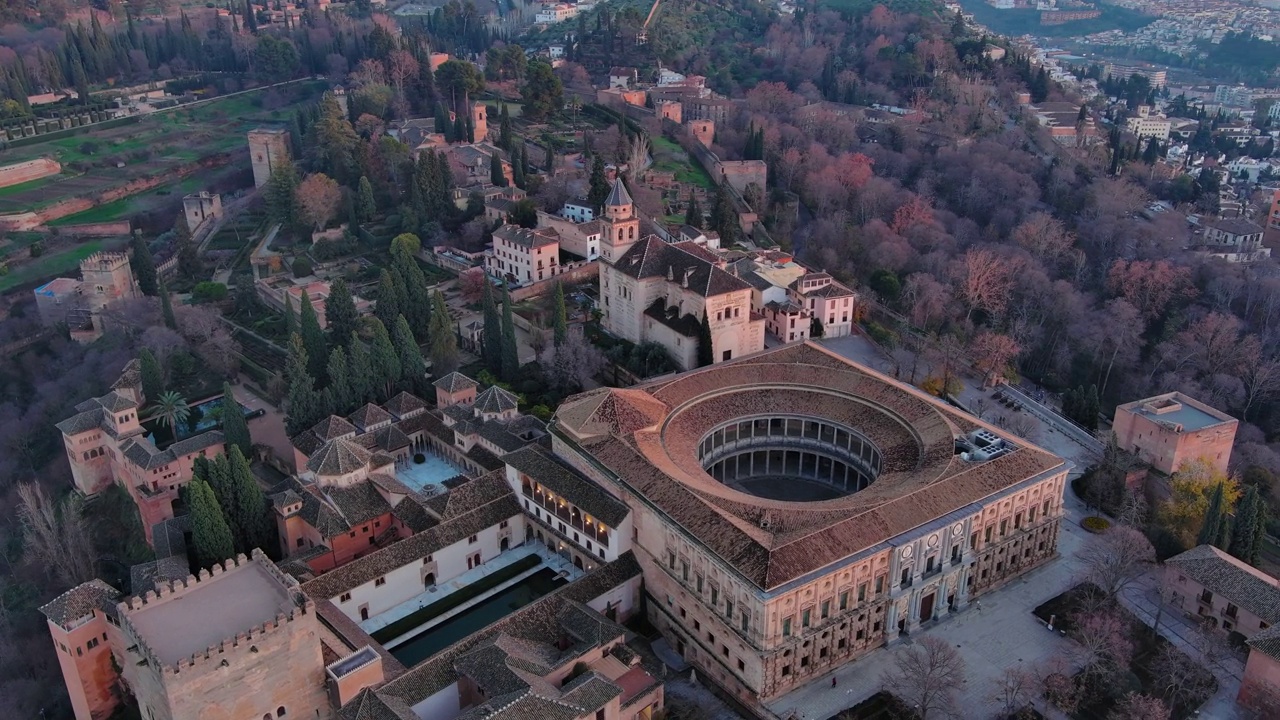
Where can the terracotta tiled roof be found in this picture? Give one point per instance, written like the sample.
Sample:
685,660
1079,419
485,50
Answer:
83,421
773,542
569,484
1267,642
618,194
369,415
80,601
332,428
306,442
455,382
525,237
146,456
495,400
338,457
404,404
413,548
651,257
1224,575
610,411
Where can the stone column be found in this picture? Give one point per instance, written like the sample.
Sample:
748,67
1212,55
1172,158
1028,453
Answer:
940,605
913,611
891,624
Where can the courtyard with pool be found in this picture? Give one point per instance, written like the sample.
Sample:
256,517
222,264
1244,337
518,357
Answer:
427,477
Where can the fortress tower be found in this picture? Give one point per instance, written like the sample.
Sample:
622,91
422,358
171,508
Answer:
82,639
107,279
268,149
621,227
254,653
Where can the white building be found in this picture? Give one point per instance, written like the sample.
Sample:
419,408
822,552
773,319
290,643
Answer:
578,210
558,12
831,303
1234,240
1148,125
523,256
653,291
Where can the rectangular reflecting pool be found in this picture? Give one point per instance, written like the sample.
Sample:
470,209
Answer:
477,617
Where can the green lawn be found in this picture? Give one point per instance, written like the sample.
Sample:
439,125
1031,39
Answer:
28,185
117,210
670,157
16,241
54,265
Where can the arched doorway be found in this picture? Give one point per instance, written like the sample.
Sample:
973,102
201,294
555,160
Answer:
577,561
429,579
504,544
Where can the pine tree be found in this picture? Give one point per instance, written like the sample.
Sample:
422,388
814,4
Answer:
366,206
1211,526
693,213
491,347
510,351
384,360
210,537
340,312
1242,527
235,429
166,308
280,192
144,267
443,341
152,374
303,403
560,316
313,339
339,388
705,351
360,372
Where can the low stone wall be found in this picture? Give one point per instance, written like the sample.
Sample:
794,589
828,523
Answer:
102,229
20,221
578,272
28,171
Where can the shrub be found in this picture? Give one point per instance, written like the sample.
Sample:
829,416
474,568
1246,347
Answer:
881,335
933,386
1095,524
419,458
209,291
36,249
301,267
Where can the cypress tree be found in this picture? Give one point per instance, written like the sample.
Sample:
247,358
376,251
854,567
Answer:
443,342
705,356
693,213
510,351
504,129
385,361
517,172
249,506
1242,527
166,308
234,427
313,340
340,312
411,366
366,206
1261,516
360,372
144,267
387,308
496,176
339,389
210,537
491,348
152,375
560,317
599,186
303,401
290,319
1211,526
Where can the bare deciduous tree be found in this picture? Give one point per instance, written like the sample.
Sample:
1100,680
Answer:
569,365
1104,641
1180,679
1020,424
1059,687
926,677
1139,707
1015,689
1114,560
56,535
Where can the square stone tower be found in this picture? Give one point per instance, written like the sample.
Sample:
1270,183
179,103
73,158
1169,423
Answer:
480,121
268,149
107,279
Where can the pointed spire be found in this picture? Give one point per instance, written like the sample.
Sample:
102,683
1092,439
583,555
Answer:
618,195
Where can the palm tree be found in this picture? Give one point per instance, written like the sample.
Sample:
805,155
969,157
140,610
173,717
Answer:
171,409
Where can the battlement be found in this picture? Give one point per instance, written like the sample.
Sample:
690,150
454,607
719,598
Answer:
104,262
226,613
